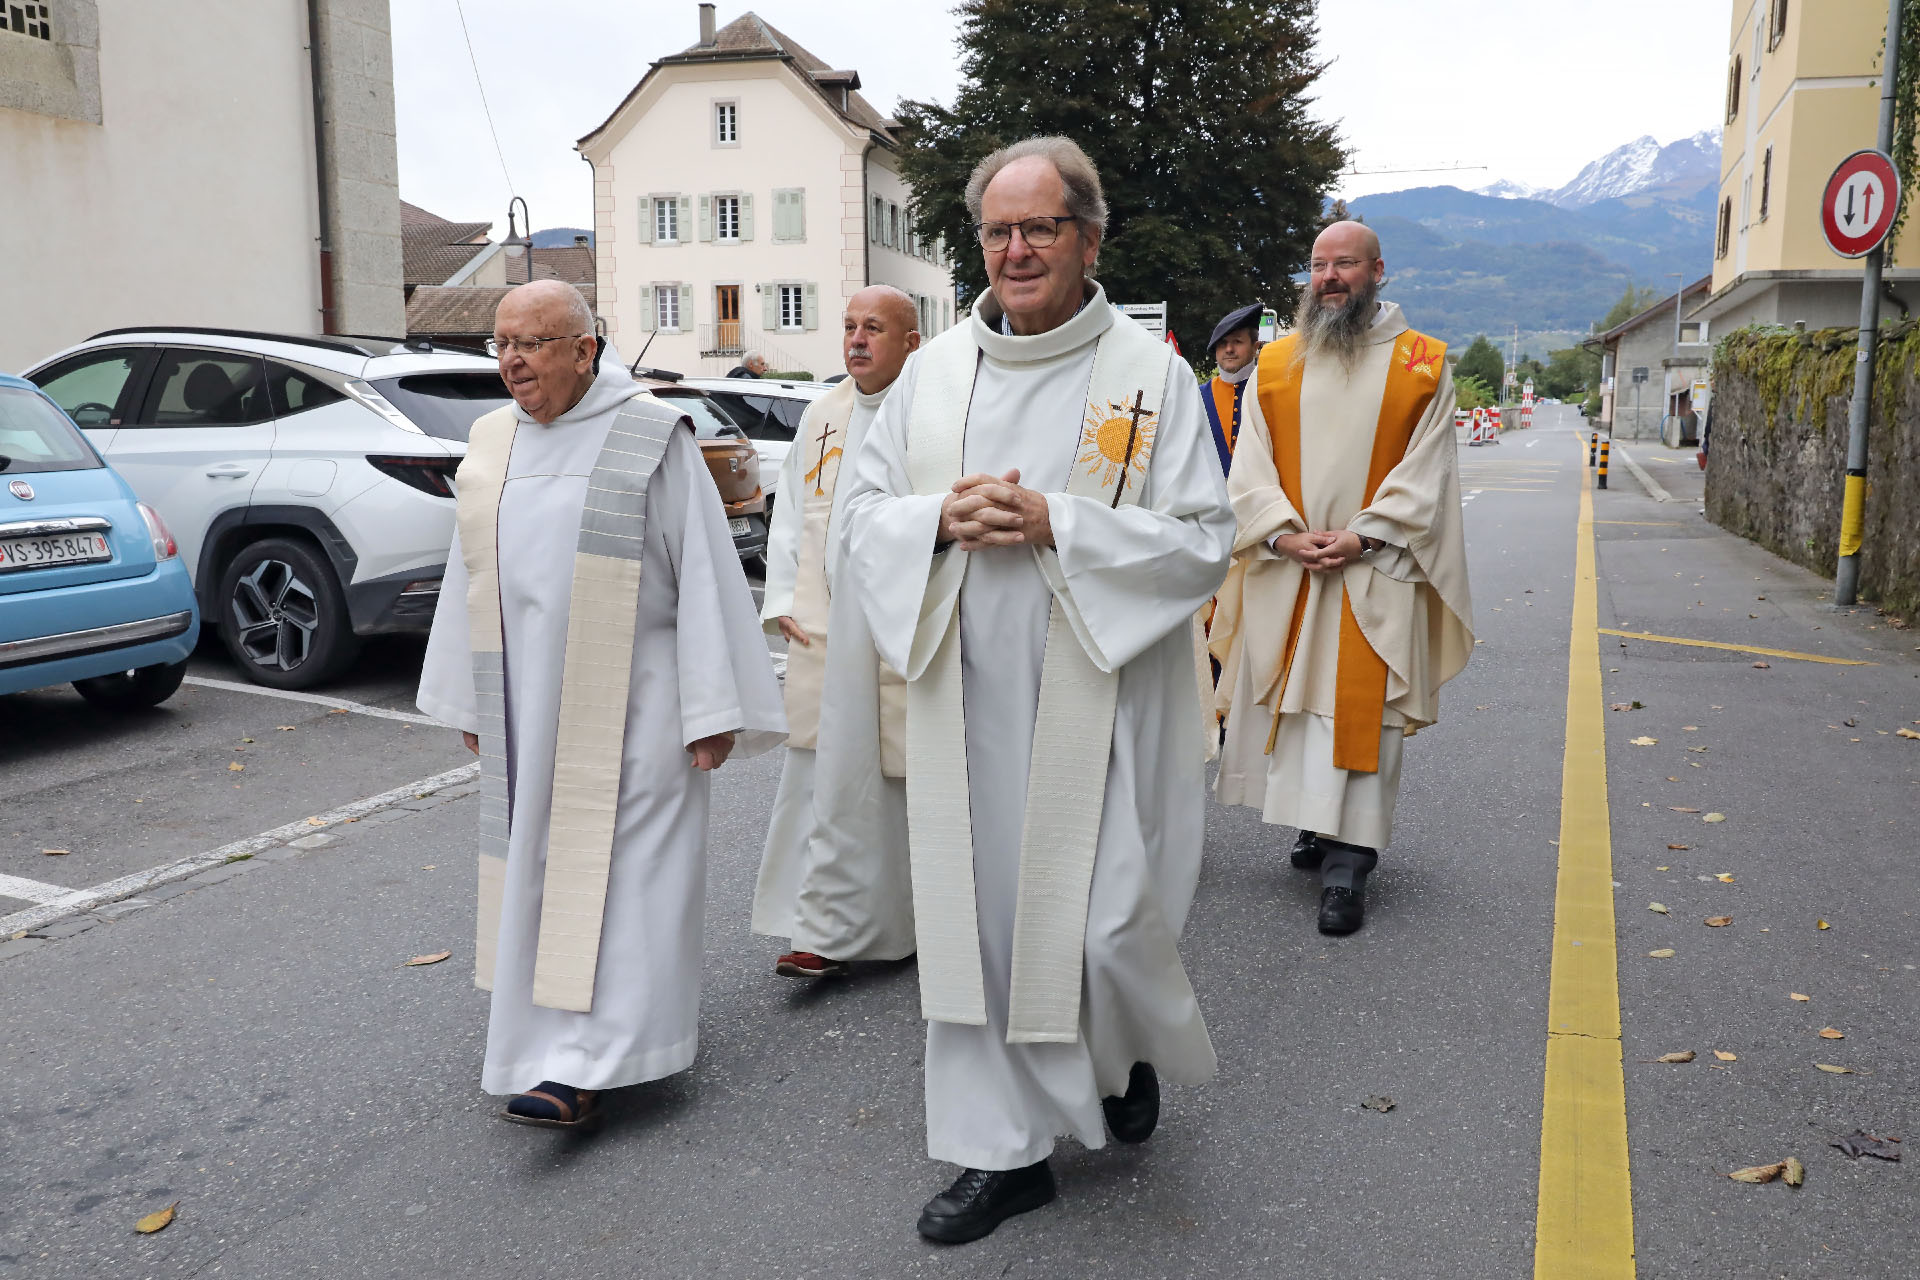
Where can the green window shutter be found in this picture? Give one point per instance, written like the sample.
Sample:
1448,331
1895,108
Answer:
779,215
770,303
812,308
686,220
686,308
646,308
746,217
706,217
646,220
798,197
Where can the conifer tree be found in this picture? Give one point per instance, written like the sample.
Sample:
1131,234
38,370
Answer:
1196,113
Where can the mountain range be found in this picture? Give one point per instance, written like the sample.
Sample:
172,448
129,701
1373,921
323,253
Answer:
1550,261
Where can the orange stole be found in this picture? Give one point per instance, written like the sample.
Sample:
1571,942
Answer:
1223,395
1360,676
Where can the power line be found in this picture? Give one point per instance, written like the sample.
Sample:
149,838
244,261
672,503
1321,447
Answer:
1445,168
483,97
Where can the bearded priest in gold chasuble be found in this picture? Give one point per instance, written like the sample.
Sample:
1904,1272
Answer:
1347,607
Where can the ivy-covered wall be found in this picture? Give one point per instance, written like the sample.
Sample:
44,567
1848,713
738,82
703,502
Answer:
1779,447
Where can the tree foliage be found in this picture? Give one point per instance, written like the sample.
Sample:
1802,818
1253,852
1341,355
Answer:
1481,361
1195,113
1571,372
1471,393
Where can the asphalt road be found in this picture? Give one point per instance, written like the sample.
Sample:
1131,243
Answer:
249,1045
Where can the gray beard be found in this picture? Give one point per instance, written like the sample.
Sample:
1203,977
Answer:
1336,331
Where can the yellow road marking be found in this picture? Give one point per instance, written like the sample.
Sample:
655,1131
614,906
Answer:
1739,648
1584,1225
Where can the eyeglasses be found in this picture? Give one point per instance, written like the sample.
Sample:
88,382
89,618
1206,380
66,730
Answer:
525,346
1037,232
1319,265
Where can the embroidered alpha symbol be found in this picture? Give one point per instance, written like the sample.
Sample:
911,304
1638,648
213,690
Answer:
1419,357
1116,440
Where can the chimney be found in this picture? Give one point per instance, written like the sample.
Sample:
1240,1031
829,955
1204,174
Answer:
706,26
580,242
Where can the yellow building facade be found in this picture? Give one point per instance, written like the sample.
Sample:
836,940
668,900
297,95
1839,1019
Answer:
1802,93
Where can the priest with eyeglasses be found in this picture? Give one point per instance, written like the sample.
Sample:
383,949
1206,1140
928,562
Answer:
1033,519
597,646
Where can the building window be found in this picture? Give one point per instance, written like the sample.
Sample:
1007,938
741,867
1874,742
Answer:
726,124
26,20
793,306
1766,181
666,220
666,307
726,217
1725,236
1733,90
1777,28
790,214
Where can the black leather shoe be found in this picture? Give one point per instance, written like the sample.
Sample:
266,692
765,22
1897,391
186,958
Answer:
981,1199
1307,852
1341,911
1132,1118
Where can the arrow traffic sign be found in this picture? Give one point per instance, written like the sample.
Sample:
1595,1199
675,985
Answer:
1861,199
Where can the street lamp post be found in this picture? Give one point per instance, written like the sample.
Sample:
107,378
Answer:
515,244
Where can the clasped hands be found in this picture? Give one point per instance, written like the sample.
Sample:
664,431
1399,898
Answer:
994,511
1321,549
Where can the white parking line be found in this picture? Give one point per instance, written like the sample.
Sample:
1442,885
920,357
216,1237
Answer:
37,891
318,700
78,900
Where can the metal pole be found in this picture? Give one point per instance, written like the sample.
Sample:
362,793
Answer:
1846,578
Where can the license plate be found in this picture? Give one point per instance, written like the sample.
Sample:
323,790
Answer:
44,553
739,526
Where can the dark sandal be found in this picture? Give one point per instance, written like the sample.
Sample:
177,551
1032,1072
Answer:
553,1106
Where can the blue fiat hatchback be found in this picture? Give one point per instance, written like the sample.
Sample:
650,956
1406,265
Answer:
92,590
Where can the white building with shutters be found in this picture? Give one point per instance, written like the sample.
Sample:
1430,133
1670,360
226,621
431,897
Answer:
743,191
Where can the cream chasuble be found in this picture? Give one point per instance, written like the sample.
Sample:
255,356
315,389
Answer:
1341,665
594,620
1055,747
833,877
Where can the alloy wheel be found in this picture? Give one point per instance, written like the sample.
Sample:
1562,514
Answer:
275,614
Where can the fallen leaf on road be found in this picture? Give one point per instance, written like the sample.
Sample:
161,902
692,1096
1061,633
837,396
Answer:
1690,728
1644,741
55,853
1679,846
1823,924
1663,868
435,958
1759,1172
1763,665
1685,1055
1724,1056
339,711
1657,906
1830,1069
1664,953
1725,877
157,1220
1793,1173
1860,1143
316,822
1795,995
1832,1033
1697,750
1718,922
1907,733
1382,1104
284,728
1680,808
1623,706
1715,817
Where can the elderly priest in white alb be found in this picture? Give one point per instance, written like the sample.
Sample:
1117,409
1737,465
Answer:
1034,519
596,643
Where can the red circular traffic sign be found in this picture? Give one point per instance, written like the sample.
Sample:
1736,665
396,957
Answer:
1861,198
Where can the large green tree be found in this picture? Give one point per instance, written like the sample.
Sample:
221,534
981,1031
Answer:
1482,360
1196,113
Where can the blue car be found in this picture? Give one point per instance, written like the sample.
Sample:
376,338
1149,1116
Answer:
92,590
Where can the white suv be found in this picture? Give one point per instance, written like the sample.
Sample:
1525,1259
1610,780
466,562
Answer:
306,479
768,410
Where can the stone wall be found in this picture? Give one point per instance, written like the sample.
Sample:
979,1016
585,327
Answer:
1778,447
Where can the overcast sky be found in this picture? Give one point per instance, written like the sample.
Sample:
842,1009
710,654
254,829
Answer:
1530,89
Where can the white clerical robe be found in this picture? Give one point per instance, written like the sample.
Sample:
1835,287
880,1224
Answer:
834,875
1410,597
700,667
1134,577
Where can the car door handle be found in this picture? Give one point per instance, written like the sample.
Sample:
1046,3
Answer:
229,472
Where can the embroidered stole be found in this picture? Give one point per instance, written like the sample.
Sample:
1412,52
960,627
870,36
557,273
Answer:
1073,728
1360,678
601,617
1222,403
821,442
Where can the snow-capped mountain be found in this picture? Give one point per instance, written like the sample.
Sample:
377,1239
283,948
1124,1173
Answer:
1640,165
1506,190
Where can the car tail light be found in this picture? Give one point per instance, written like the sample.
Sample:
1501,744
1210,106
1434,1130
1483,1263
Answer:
164,547
428,475
364,393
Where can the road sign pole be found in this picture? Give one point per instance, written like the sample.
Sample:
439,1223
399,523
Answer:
1853,506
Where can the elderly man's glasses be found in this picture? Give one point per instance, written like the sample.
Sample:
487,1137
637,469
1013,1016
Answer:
1037,232
497,347
1319,265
